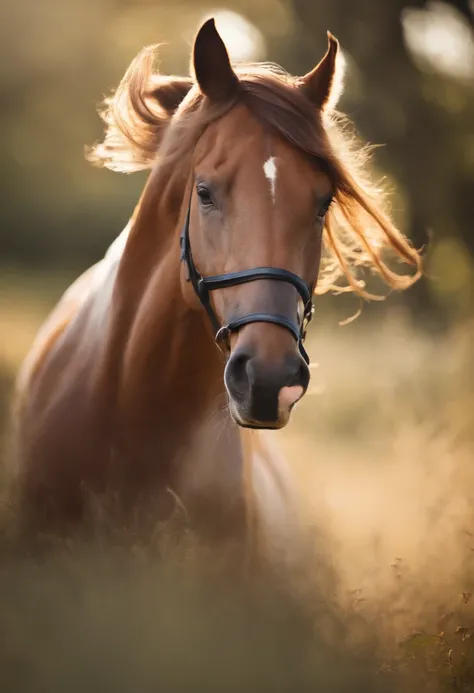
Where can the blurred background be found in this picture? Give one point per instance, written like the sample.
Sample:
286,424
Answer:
409,88
383,443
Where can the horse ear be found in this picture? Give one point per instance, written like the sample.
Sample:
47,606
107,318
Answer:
211,64
319,85
170,91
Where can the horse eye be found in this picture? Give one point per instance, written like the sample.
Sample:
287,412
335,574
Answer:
205,196
324,208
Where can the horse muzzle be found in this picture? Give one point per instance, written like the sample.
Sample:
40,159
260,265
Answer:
262,394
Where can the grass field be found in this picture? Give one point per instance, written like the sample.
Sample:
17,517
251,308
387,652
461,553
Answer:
383,449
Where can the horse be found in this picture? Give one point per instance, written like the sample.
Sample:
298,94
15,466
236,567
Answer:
163,371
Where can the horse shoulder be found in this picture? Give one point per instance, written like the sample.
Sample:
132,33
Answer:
56,423
86,294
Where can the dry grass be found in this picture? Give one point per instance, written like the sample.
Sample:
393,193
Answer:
383,449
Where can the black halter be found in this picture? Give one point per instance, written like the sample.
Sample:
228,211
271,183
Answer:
203,285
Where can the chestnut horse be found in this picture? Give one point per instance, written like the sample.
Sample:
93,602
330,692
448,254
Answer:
146,378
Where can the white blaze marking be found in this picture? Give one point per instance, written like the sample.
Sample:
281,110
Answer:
270,170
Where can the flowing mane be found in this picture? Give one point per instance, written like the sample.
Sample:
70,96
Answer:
154,379
145,127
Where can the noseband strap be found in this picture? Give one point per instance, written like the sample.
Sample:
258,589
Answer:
203,285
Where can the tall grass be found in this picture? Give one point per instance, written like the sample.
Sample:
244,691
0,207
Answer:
383,450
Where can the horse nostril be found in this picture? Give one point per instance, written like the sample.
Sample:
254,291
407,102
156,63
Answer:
295,387
300,374
236,371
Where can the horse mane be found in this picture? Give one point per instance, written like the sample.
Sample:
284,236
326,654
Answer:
142,133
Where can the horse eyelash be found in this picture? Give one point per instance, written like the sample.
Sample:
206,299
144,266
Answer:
325,208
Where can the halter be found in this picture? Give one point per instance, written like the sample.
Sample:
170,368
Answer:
203,285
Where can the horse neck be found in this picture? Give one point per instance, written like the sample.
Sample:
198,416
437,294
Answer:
171,372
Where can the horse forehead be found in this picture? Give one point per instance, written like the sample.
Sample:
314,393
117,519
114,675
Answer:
232,146
240,148
301,177
236,136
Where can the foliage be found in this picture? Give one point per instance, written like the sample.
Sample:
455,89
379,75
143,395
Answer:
57,210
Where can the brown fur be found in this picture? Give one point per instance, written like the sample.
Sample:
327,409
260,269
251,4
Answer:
123,393
140,134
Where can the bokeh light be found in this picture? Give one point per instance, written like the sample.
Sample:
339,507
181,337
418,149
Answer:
440,39
244,41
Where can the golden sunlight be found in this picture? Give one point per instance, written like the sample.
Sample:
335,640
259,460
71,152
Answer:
244,41
440,39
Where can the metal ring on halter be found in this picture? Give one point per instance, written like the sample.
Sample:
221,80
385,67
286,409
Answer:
222,334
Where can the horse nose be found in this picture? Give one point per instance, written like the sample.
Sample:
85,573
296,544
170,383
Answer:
288,396
264,392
